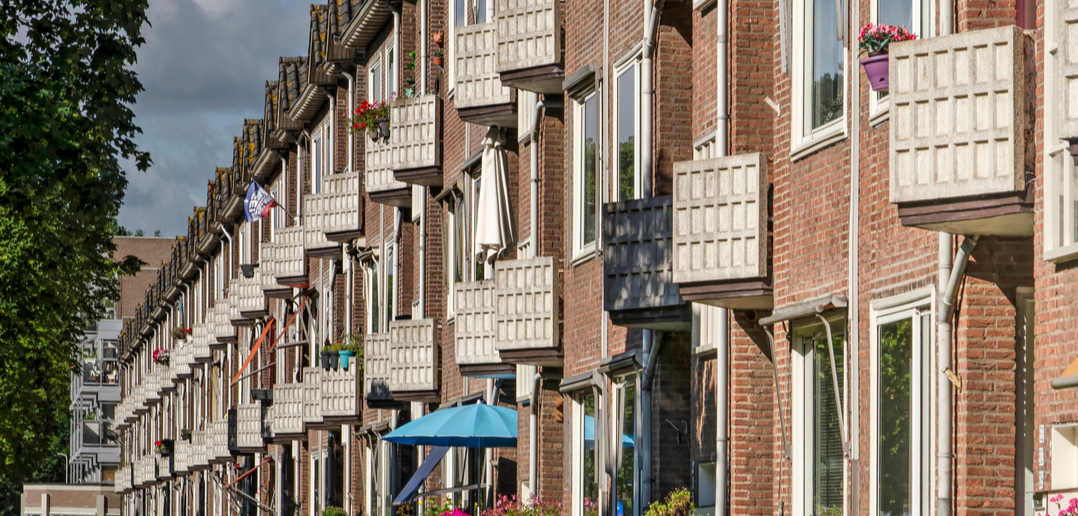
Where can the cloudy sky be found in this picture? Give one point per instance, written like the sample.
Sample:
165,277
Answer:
204,66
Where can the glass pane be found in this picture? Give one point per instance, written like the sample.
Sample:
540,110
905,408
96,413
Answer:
458,241
898,13
591,487
827,434
376,82
895,412
460,13
626,135
376,315
826,64
481,11
590,175
391,285
628,451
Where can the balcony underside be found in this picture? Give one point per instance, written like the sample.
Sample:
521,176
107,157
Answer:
501,115
431,396
189,270
540,79
343,237
754,294
208,244
425,176
282,438
294,281
501,370
670,318
1007,214
282,292
535,356
333,251
399,197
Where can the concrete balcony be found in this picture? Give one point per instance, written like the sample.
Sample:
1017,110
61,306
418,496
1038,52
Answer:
220,442
181,461
381,185
289,260
146,471
288,411
414,360
481,98
415,140
165,466
332,217
196,460
123,479
223,331
247,300
312,396
182,358
529,36
476,332
1067,81
340,394
200,344
638,284
376,360
722,237
152,386
267,267
528,311
962,110
249,427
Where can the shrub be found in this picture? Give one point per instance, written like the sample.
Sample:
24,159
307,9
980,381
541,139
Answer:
678,503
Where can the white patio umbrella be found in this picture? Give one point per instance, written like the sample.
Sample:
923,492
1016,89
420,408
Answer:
495,230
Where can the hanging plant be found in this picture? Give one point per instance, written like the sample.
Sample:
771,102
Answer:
372,117
160,356
181,333
160,448
875,39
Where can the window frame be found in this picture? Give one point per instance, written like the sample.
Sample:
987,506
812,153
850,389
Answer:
581,249
374,79
879,104
617,430
1061,175
578,475
632,65
803,139
910,306
318,163
803,408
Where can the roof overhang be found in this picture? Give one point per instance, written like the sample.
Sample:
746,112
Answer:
367,24
308,104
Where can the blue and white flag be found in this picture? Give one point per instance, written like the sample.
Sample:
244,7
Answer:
258,203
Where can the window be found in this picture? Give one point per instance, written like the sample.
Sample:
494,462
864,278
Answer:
391,282
586,489
459,14
456,258
585,174
376,79
1061,181
901,409
914,16
818,454
370,272
391,69
819,105
627,468
320,156
627,124
478,273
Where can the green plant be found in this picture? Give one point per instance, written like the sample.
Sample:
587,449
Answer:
677,503
333,511
89,416
180,333
368,115
411,61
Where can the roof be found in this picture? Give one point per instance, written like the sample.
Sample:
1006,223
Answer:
291,81
316,51
252,142
341,13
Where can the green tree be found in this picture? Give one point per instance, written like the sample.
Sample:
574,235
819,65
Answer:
66,87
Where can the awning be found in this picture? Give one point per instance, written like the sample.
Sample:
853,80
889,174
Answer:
494,228
424,471
471,426
1069,378
805,309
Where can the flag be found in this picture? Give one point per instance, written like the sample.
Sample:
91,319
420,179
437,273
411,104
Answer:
258,203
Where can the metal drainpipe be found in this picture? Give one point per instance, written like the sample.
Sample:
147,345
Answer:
647,90
646,479
853,393
722,345
533,429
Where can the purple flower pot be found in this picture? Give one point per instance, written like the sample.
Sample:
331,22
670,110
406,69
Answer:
877,72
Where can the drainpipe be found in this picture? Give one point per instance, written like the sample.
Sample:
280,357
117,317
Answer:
722,345
651,360
853,394
351,99
545,103
647,91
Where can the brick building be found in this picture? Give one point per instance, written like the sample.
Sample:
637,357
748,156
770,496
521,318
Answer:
686,241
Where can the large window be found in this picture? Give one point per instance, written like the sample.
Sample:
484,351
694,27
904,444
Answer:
456,255
585,173
375,79
819,104
818,453
586,489
627,469
391,70
914,16
627,125
374,315
901,403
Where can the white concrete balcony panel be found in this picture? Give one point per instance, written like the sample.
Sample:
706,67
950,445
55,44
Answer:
288,409
414,357
181,461
478,81
528,299
376,360
220,440
1067,82
223,331
475,330
333,216
379,181
200,343
289,264
249,426
528,34
197,450
312,396
415,138
340,393
247,301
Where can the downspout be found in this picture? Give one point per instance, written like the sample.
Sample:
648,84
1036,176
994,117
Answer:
652,361
351,100
533,429
949,284
539,106
853,396
651,28
722,344
224,233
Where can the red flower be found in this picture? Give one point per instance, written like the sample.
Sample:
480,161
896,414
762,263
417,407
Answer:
157,443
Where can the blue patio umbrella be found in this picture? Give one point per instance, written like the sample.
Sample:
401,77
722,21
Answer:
589,434
472,426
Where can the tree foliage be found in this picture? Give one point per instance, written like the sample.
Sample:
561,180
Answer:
66,87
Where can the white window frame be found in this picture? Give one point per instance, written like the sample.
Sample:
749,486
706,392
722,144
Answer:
1061,175
802,407
456,225
577,475
803,140
879,105
390,300
632,65
451,44
318,159
391,62
617,431
582,250
374,76
912,305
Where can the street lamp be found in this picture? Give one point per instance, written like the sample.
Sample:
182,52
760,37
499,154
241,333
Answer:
67,468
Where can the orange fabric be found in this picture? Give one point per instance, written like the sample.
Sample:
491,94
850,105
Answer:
252,470
290,321
254,351
1072,370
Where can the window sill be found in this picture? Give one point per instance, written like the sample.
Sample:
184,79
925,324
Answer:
1063,254
583,257
820,140
881,113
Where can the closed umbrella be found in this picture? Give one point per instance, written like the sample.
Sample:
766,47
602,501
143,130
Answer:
495,230
472,426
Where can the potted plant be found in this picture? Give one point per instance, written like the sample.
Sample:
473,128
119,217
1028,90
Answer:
334,511
436,57
330,354
161,448
875,40
160,356
181,333
351,346
185,434
372,117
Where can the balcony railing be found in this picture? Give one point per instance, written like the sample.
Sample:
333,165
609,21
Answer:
638,285
288,409
414,360
528,307
197,451
381,185
312,397
476,330
200,343
267,267
529,45
376,360
289,262
181,461
1067,112
333,216
223,331
180,361
340,394
481,98
220,440
248,302
416,140
722,237
249,426
123,479
962,126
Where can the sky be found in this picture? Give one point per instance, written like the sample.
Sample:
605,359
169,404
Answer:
204,67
